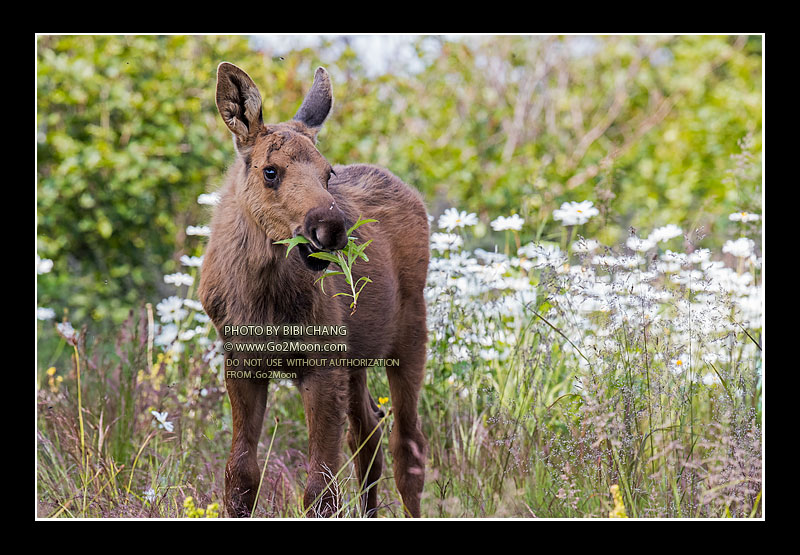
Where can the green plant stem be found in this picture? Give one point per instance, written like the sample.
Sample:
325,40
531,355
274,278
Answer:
264,470
84,461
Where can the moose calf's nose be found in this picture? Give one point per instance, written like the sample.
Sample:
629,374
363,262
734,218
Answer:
326,228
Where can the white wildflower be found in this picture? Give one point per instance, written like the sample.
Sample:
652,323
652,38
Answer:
161,418
700,256
460,353
211,199
452,219
665,233
43,265
543,254
194,305
202,317
672,261
179,279
679,364
171,309
640,245
513,223
446,242
489,257
585,246
744,217
198,230
167,335
631,261
575,213
740,248
192,261
43,313
187,335
604,260
67,332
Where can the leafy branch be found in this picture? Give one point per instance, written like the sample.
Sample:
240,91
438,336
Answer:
344,258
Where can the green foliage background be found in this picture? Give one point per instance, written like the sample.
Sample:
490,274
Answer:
653,129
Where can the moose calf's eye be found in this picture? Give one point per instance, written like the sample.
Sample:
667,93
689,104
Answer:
270,174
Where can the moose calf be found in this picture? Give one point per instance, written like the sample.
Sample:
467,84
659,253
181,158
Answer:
281,186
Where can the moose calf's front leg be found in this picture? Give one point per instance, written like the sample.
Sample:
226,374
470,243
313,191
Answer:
324,393
248,403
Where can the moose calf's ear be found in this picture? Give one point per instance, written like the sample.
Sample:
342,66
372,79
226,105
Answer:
239,103
317,103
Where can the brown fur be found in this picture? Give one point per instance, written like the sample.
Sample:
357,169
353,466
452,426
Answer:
247,280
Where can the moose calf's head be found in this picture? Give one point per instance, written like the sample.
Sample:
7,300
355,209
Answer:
285,187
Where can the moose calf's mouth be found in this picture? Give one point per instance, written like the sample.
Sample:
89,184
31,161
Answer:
314,264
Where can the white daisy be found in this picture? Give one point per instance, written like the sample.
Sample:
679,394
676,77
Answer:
544,254
513,223
744,217
575,213
211,199
585,246
201,317
639,245
452,219
664,233
171,309
192,261
187,335
198,230
161,418
679,363
167,335
700,256
179,279
740,248
194,305
446,242
604,260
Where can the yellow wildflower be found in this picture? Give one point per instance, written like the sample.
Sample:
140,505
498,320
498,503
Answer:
211,510
619,506
53,381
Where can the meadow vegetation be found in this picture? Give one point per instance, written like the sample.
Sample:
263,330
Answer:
595,292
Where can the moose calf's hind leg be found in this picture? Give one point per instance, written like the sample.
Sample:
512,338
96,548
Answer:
406,441
364,437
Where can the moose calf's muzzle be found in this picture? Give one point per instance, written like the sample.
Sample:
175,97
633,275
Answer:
325,228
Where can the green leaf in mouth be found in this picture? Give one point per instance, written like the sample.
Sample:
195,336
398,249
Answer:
292,243
344,258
